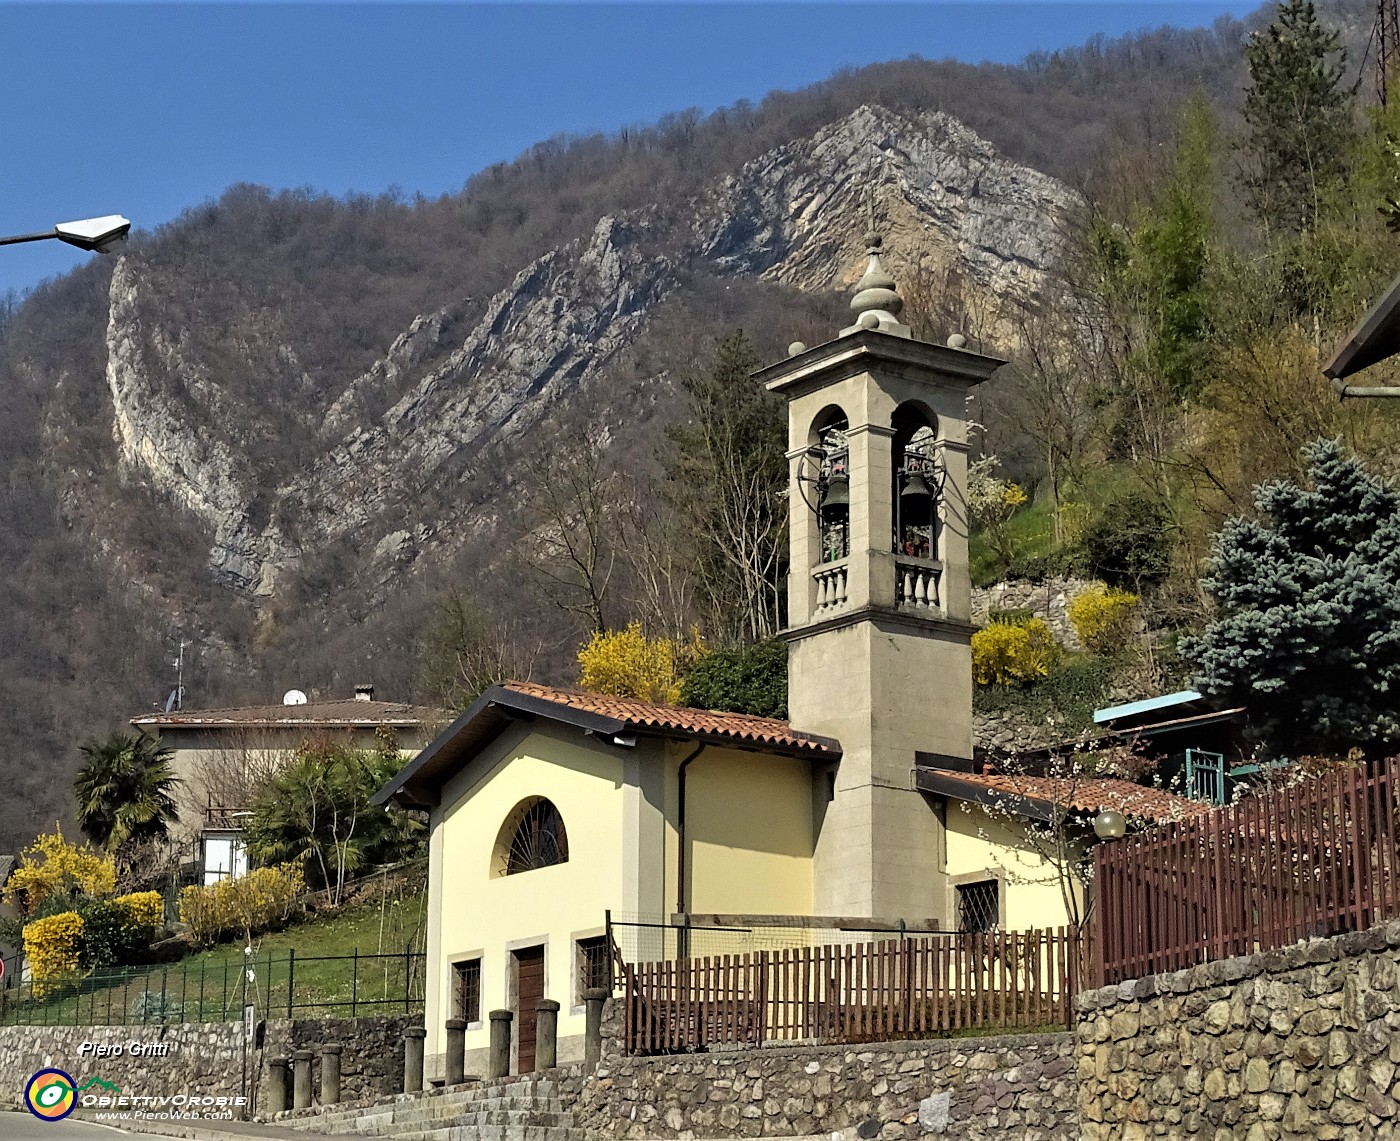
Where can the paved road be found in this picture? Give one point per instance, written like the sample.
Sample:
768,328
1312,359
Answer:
27,1127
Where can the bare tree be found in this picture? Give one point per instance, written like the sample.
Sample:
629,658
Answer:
570,490
469,649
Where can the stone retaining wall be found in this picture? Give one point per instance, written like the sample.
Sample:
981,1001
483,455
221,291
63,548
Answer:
1298,1043
1048,600
203,1058
973,1088
371,1059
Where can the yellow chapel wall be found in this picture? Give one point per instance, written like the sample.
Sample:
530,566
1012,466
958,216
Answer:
749,833
481,914
988,846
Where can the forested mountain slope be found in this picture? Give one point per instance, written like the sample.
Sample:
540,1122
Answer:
285,427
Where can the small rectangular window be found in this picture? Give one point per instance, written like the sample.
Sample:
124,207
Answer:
467,1002
979,906
593,965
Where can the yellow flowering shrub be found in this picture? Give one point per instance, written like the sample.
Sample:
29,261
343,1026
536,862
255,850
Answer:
142,911
52,866
52,947
626,663
1006,654
250,903
1104,618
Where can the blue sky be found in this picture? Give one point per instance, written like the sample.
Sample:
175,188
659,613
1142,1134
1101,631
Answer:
146,110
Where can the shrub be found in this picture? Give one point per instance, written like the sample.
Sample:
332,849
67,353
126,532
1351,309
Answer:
1003,654
250,904
156,1006
745,679
1104,618
626,663
53,867
1128,544
1068,695
52,947
119,930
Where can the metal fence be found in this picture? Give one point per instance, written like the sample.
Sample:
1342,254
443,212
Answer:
1317,859
283,986
856,992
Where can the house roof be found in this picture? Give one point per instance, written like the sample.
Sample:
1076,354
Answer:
615,721
1376,337
344,714
1038,796
1187,699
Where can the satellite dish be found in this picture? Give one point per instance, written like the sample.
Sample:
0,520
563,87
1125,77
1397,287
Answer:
170,701
294,697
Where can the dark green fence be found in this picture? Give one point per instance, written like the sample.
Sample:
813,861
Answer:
285,986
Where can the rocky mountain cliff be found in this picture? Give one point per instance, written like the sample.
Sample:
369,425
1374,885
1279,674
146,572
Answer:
401,480
276,427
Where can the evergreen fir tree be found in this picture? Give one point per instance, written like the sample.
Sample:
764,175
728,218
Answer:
1299,116
1308,635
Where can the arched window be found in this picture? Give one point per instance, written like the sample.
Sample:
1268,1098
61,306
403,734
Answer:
916,484
833,505
533,836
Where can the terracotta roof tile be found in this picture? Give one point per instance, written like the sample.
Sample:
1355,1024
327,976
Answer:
648,716
1090,794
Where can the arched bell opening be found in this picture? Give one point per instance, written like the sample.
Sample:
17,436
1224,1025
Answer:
916,483
830,455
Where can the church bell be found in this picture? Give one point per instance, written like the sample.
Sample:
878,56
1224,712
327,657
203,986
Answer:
836,499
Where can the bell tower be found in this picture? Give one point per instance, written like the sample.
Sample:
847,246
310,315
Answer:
879,598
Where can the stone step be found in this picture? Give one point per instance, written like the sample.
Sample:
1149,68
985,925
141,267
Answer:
493,1133
379,1126
428,1108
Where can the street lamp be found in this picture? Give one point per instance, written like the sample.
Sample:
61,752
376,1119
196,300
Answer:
96,235
1110,825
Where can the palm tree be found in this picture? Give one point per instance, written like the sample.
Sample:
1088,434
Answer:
124,790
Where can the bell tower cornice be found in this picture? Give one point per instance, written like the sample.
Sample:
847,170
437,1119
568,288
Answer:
918,362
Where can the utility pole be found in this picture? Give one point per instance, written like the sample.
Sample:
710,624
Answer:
1387,40
180,675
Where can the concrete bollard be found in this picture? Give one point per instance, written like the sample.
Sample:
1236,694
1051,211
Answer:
330,1073
413,1058
593,998
277,1085
498,1064
456,1051
546,1034
301,1079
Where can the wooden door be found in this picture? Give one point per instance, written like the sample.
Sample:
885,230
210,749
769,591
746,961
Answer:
529,989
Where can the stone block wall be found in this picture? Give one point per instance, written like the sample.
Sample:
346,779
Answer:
204,1058
973,1088
371,1059
1298,1043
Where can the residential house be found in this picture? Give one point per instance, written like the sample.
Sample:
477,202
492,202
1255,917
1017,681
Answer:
222,756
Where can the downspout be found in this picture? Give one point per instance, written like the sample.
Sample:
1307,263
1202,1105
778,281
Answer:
683,949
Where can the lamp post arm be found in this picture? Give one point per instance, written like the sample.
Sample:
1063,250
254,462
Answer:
17,238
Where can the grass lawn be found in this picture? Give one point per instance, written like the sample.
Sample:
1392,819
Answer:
364,958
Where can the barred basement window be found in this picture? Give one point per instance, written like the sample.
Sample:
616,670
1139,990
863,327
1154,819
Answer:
468,989
979,906
593,966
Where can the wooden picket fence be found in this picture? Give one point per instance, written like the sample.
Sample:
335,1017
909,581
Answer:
856,992
1319,858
